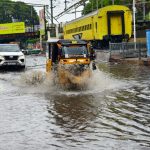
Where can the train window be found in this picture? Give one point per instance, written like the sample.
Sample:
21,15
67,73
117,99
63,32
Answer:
79,29
82,28
76,30
90,26
85,27
96,26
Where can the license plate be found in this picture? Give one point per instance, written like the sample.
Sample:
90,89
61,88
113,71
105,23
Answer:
10,63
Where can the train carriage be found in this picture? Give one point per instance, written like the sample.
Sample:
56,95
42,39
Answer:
108,24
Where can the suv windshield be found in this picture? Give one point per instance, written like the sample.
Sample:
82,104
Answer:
9,48
74,51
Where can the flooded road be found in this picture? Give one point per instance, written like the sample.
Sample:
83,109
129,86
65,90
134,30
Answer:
113,113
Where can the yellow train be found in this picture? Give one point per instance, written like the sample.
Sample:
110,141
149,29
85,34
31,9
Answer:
108,24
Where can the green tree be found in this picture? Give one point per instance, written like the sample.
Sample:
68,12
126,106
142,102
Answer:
9,11
94,4
6,9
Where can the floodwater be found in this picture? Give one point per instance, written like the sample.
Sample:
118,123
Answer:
112,113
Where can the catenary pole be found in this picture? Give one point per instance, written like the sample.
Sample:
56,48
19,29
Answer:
134,25
113,2
51,6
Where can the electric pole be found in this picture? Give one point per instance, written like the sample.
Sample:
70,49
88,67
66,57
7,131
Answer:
97,4
144,10
84,3
66,4
101,3
51,7
45,27
113,2
32,18
134,25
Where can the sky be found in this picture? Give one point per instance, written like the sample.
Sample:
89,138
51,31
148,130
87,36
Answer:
59,7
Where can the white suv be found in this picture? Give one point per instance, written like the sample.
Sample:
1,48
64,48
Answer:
11,55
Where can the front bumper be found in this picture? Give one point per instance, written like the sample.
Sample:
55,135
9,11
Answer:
12,63
69,78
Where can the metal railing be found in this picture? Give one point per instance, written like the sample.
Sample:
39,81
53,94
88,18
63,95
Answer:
128,49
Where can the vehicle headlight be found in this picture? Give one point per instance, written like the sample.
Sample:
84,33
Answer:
21,57
1,57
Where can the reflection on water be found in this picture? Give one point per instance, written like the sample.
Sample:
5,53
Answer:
112,113
72,111
125,71
95,121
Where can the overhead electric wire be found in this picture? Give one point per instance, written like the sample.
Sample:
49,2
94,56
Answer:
36,5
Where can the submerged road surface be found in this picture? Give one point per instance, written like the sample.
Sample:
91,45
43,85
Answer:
113,113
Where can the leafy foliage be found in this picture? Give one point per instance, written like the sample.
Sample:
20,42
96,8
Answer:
94,4
11,11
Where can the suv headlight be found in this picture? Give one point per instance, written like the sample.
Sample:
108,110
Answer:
22,57
2,57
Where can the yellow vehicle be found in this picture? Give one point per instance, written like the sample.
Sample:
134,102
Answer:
69,61
108,24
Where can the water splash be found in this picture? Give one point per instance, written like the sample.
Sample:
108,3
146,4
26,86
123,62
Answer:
33,77
39,82
101,81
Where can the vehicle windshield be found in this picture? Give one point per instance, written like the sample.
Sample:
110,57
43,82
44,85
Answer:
9,48
74,51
